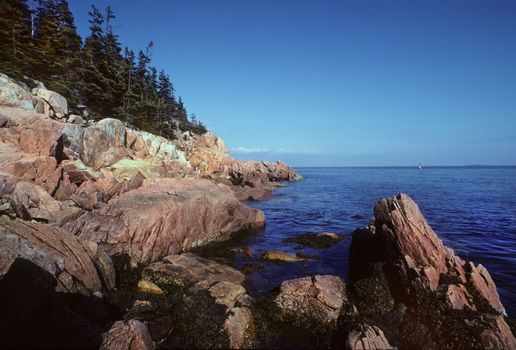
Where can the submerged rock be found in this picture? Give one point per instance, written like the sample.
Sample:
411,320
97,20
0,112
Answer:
250,268
279,256
315,240
446,302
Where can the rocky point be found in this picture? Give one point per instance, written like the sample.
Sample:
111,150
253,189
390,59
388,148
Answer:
74,191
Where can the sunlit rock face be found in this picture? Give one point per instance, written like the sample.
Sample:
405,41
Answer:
85,172
166,216
12,94
449,301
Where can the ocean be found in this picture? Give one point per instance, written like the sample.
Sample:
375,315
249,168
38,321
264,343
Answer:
472,209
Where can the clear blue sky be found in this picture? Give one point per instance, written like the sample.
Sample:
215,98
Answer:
331,83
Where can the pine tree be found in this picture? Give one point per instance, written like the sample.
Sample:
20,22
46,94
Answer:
112,63
45,45
103,84
166,105
59,47
17,51
93,86
128,81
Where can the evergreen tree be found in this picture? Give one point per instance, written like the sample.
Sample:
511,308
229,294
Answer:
128,81
111,65
93,86
102,61
45,45
59,47
166,103
17,51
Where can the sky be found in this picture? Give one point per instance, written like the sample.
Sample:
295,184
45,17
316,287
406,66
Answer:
338,83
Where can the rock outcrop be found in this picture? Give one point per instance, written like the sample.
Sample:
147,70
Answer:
74,193
166,216
78,266
254,181
249,180
59,170
447,302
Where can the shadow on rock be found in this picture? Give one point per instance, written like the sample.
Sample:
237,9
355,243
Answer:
33,315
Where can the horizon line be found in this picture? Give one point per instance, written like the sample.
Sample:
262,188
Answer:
403,166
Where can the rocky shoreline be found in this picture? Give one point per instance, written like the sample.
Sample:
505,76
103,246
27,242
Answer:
98,223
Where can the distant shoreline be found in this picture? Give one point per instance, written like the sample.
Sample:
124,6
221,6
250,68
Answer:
411,167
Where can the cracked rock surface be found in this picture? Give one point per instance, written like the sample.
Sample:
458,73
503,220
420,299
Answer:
319,298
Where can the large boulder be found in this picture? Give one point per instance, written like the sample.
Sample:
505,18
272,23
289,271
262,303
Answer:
40,136
40,170
55,104
150,145
127,335
13,94
78,172
104,143
206,153
173,215
212,301
32,202
445,301
79,266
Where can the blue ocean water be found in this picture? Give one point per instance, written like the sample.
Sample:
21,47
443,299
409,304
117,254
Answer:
472,209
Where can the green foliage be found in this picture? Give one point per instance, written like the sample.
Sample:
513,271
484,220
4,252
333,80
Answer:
43,43
17,50
58,47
